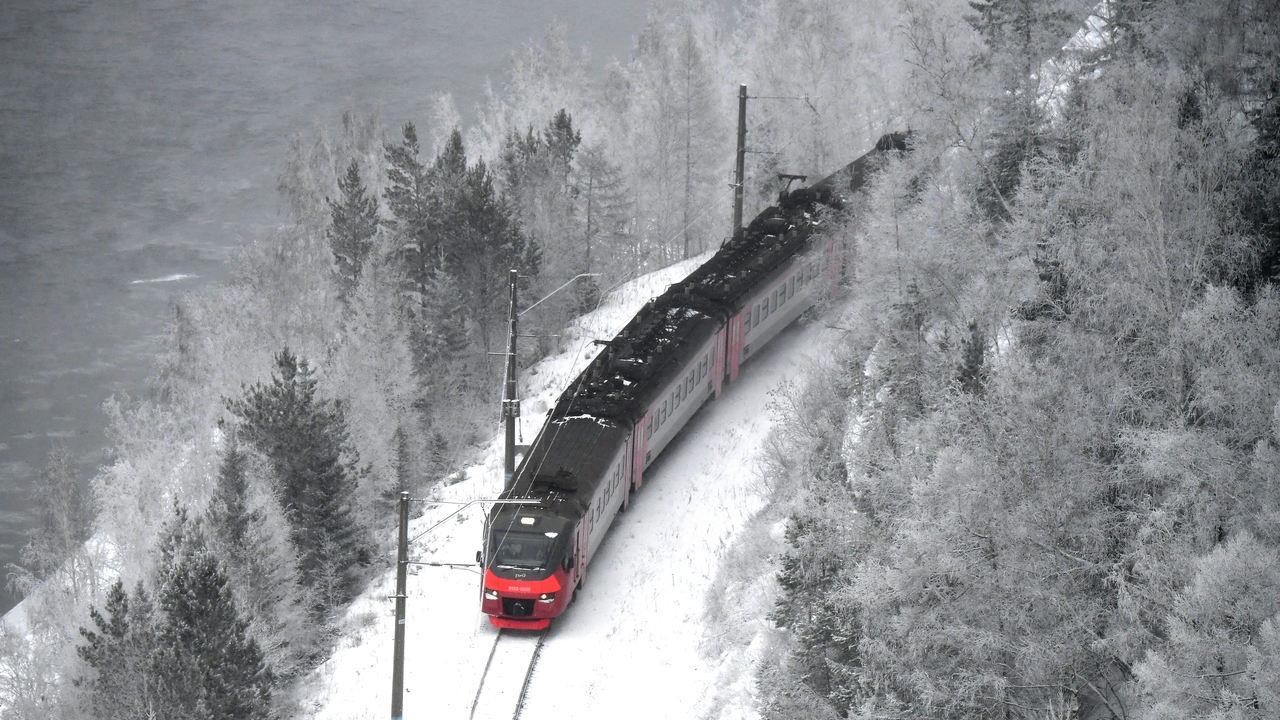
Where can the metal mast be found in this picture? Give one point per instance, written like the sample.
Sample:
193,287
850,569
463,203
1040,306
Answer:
741,160
510,401
402,565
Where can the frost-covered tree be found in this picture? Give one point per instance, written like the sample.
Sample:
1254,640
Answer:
64,518
205,663
121,651
305,439
185,653
355,222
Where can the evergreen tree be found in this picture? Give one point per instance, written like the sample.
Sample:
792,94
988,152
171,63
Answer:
185,655
121,651
538,168
228,508
1019,36
607,210
305,439
562,143
426,201
260,563
971,373
355,222
407,199
208,666
489,243
1260,202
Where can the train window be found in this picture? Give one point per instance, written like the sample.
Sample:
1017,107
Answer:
746,325
756,313
793,286
764,310
688,384
773,302
648,429
675,399
782,294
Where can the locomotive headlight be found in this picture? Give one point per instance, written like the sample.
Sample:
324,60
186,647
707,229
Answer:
547,597
490,594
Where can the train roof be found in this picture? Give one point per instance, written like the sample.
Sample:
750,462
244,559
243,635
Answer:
598,408
638,362
567,461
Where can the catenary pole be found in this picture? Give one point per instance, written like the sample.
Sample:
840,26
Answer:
739,167
510,401
402,564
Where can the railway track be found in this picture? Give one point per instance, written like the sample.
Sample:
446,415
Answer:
500,695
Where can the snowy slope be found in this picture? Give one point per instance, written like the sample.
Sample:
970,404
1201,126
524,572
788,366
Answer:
629,645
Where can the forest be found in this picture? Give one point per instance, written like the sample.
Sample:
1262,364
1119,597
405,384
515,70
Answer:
1039,476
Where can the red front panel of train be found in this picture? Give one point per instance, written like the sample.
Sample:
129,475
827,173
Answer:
524,604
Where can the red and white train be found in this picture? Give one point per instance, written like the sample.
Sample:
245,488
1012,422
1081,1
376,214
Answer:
612,422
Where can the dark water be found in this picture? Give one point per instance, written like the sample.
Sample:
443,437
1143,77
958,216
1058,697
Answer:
140,138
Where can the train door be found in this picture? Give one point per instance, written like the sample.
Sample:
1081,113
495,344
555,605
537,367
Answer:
736,341
581,556
628,467
831,259
639,448
717,361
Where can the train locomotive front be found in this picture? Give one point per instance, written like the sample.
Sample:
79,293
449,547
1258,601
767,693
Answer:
536,554
528,566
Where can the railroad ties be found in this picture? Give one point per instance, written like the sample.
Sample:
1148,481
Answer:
500,695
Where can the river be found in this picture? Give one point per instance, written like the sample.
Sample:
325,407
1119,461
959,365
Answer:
140,138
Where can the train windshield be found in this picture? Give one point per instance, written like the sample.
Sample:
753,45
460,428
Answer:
521,551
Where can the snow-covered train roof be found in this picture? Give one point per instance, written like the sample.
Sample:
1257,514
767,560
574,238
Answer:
595,413
646,354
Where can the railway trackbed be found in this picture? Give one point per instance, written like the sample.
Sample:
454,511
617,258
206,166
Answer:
500,695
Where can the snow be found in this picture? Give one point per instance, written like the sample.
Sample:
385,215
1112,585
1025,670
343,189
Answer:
632,643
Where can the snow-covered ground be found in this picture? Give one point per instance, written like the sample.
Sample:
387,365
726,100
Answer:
631,645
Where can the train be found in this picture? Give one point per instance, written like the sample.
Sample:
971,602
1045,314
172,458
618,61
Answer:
678,352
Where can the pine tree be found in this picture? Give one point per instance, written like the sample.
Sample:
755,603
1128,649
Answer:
562,143
407,199
538,169
305,439
121,651
607,211
489,242
447,178
260,563
1019,36
208,666
228,508
971,373
355,222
